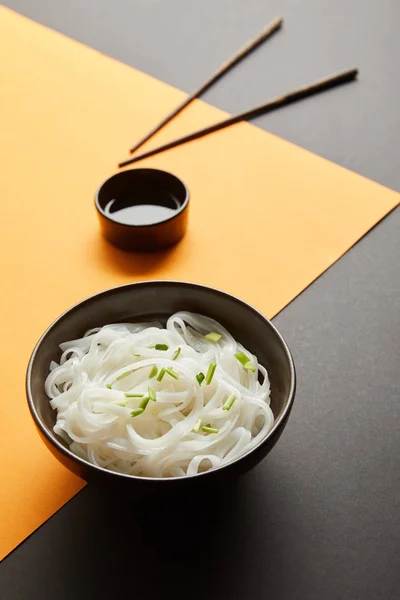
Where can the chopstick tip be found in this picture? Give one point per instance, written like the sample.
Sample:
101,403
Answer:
352,72
277,23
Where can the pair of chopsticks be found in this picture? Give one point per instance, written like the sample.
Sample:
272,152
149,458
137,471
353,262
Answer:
289,98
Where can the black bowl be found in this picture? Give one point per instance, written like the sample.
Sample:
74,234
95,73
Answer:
159,299
143,210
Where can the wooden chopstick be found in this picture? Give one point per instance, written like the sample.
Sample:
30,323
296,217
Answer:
303,92
240,55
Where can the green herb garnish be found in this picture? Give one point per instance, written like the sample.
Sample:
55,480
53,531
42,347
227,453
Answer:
208,429
196,428
213,337
161,374
136,412
153,372
245,361
200,378
119,402
161,347
144,402
242,358
250,367
108,386
171,373
176,353
210,372
152,393
129,395
228,404
124,375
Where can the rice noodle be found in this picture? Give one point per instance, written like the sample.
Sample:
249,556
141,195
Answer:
93,385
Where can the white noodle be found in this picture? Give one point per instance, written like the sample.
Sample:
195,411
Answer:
88,389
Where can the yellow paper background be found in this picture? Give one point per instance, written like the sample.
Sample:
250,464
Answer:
266,219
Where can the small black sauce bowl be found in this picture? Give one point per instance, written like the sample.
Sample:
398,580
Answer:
157,300
136,187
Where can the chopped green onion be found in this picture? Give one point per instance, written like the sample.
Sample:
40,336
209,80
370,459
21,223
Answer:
250,367
161,347
124,375
171,373
176,353
228,404
120,402
213,337
136,412
200,378
152,393
138,355
128,395
109,386
161,374
153,372
208,429
242,358
210,372
144,402
245,361
196,428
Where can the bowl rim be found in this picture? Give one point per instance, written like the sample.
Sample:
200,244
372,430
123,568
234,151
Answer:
132,226
86,464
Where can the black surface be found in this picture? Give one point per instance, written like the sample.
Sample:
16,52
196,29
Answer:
318,519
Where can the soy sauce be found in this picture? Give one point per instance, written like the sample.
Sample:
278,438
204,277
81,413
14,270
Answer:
138,213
